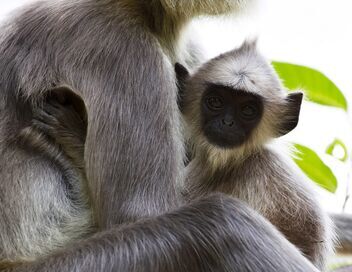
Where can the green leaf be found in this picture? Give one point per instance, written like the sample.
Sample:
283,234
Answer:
336,143
315,168
317,86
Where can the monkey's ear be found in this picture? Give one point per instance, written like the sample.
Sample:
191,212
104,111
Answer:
182,75
249,45
291,118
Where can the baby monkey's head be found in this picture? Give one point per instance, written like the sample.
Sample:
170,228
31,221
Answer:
235,103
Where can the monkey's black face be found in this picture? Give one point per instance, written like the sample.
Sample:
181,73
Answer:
229,116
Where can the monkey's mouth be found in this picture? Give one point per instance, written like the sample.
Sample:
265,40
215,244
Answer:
223,138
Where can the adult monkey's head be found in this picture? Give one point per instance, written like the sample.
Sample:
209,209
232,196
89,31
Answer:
235,103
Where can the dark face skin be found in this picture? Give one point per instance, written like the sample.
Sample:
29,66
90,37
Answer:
229,115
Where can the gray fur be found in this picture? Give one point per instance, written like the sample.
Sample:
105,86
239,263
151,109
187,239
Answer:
34,59
258,172
213,234
115,55
343,225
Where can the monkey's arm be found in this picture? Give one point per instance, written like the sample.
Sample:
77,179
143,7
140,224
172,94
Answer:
214,234
299,216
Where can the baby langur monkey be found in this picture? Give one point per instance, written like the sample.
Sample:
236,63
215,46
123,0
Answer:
234,109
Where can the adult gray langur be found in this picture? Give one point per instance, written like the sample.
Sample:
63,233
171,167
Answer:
115,55
235,110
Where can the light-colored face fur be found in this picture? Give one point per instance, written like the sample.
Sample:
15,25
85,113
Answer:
244,69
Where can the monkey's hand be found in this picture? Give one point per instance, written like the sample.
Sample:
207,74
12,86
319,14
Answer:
64,125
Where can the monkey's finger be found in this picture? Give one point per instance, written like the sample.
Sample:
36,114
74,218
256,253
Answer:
60,111
54,108
54,113
44,127
42,113
44,117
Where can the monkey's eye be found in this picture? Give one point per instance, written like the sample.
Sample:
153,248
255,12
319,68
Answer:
215,103
249,111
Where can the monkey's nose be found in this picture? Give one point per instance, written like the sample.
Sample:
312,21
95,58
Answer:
228,122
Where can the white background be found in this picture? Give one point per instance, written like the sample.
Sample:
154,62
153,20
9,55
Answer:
316,33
